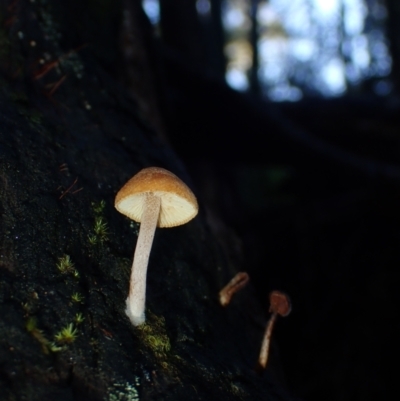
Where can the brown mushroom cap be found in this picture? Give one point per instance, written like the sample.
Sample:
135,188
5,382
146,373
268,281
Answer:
279,303
178,203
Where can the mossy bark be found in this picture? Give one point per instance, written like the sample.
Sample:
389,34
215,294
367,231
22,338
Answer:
70,136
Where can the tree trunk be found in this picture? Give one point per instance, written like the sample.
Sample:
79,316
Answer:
71,136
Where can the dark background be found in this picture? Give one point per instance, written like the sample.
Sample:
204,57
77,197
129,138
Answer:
310,193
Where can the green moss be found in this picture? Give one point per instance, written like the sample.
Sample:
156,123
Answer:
76,297
154,336
31,324
32,328
31,303
100,229
65,265
98,208
93,239
53,347
67,335
79,318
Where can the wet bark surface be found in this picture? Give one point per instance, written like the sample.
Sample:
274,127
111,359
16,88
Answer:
70,137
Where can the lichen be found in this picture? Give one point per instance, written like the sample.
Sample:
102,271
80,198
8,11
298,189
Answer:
135,227
124,391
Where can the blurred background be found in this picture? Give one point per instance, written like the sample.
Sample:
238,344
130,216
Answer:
286,113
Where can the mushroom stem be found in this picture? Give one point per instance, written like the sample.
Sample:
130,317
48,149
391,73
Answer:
264,352
135,303
237,283
279,305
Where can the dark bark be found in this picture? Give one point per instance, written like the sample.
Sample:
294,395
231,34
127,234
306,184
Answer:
71,135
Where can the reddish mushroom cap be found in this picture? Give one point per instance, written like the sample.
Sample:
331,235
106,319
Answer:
279,303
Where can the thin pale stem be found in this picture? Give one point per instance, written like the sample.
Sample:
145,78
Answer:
264,352
135,303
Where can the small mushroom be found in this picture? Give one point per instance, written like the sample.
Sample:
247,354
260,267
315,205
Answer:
279,305
153,197
236,283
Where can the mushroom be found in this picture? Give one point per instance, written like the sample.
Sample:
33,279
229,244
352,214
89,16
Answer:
234,285
279,305
153,197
